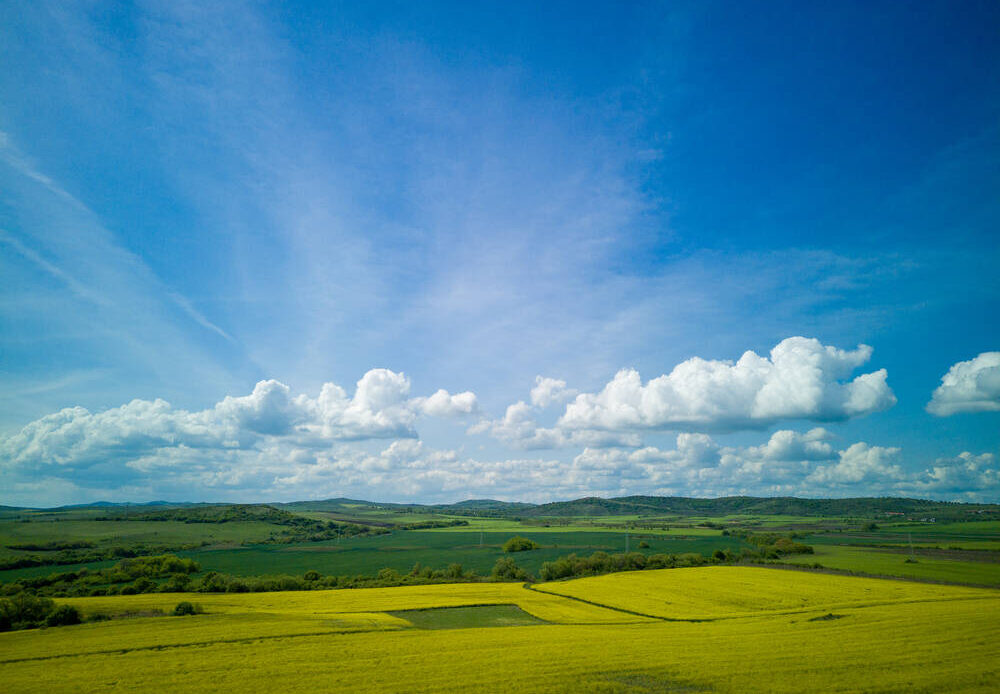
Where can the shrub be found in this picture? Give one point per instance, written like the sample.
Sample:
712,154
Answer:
177,583
390,576
519,544
144,585
63,615
506,570
187,608
23,610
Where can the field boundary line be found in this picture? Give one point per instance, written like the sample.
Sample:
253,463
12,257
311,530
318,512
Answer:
771,613
195,644
829,570
614,609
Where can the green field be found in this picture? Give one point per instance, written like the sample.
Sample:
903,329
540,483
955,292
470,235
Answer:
882,563
104,533
437,548
764,630
960,552
468,617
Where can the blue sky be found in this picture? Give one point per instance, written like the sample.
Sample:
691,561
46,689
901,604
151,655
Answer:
435,251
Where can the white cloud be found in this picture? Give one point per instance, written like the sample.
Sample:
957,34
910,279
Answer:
802,379
140,432
790,445
969,386
518,427
443,404
549,391
964,474
861,463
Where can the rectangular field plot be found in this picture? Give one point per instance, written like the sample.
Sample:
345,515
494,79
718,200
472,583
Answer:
468,617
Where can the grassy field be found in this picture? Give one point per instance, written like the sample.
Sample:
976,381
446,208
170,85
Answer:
883,563
852,634
960,552
435,548
104,533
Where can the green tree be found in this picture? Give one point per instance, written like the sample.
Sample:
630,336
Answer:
63,615
506,570
519,544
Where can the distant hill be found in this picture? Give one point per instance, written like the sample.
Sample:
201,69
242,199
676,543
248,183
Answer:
788,506
485,505
373,513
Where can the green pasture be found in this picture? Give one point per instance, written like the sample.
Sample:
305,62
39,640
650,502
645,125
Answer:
608,525
107,533
918,542
32,571
882,563
437,549
970,530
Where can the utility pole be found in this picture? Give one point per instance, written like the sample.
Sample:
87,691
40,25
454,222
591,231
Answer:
626,542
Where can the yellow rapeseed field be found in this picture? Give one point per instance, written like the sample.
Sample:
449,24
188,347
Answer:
888,637
714,592
550,608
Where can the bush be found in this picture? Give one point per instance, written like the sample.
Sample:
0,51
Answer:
177,583
144,585
506,570
64,615
187,608
519,544
24,610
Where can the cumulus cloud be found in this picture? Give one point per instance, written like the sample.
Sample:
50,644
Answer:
282,467
788,445
519,427
550,391
141,431
969,386
790,463
861,463
965,474
802,379
443,404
